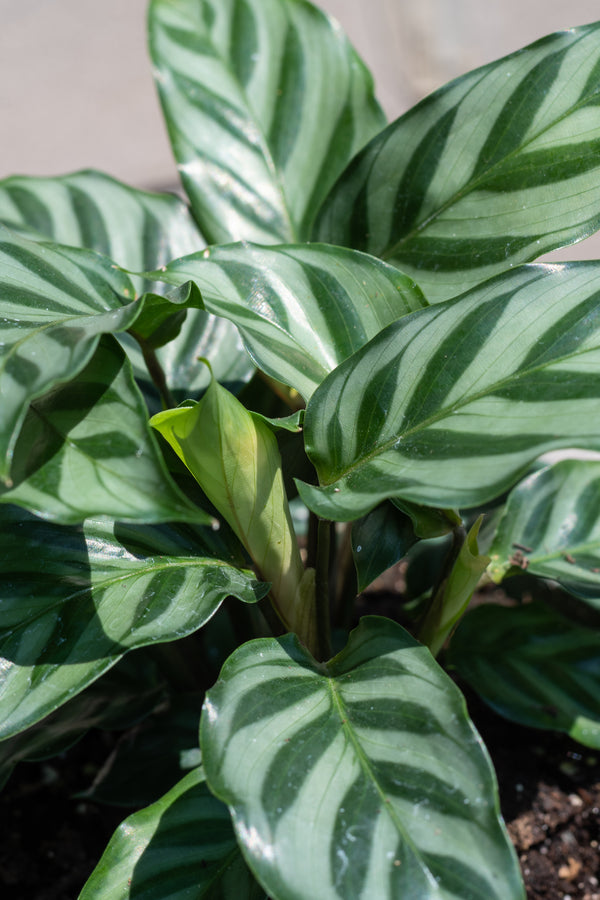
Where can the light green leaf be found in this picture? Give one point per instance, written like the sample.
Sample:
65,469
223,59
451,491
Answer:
450,405
551,527
492,170
123,696
368,767
74,600
180,848
266,102
532,666
454,594
85,449
244,481
301,310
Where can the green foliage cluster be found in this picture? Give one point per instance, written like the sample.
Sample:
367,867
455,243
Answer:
221,419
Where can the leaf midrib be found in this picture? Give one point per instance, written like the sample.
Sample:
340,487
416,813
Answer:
444,413
367,768
396,248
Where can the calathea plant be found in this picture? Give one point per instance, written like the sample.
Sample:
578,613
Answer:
343,321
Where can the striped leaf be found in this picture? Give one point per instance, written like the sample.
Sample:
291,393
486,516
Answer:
492,170
85,449
533,667
449,405
122,697
551,527
53,313
300,309
74,600
180,848
258,138
368,767
141,231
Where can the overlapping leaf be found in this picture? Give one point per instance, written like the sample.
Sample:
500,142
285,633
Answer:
74,600
181,846
53,313
532,666
551,527
140,231
153,756
85,449
449,405
265,102
492,170
301,309
125,695
368,767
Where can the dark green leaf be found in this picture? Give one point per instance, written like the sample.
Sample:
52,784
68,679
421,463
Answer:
379,540
152,757
533,667
180,848
126,694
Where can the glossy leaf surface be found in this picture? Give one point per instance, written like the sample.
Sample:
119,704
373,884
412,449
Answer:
492,170
140,231
74,600
368,767
183,846
258,138
85,449
533,667
301,310
53,313
449,405
551,527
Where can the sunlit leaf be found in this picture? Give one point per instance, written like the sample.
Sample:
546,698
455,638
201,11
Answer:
301,310
494,169
265,102
450,405
368,767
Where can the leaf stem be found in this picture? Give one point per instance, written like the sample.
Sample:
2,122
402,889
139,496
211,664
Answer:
324,650
433,616
157,374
